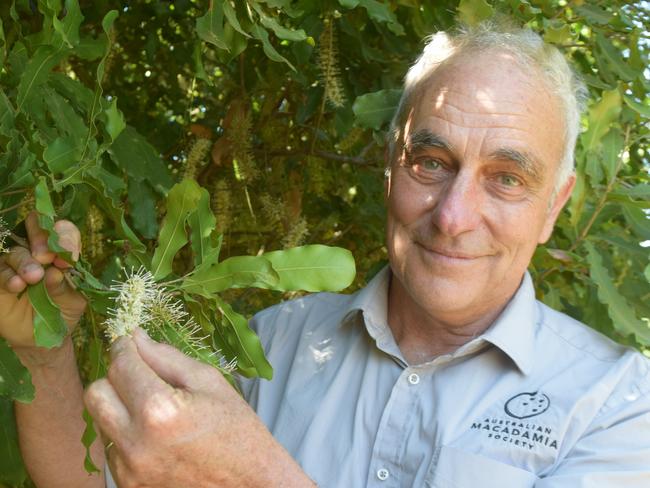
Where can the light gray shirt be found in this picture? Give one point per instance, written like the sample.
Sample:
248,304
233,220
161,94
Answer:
538,399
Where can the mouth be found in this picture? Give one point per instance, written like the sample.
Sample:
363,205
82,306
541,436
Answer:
449,254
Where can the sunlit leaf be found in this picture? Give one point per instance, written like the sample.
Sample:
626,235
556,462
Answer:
376,109
313,268
235,272
49,327
472,12
601,115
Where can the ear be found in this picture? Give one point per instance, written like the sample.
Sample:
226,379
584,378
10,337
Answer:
560,200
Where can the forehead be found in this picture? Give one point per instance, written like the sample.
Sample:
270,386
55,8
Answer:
490,97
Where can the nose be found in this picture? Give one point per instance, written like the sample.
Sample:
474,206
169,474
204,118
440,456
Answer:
459,206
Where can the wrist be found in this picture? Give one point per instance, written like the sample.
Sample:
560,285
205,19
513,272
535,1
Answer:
34,357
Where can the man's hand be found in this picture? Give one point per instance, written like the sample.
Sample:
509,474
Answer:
22,267
177,422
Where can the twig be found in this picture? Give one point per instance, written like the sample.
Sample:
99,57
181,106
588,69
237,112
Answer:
14,207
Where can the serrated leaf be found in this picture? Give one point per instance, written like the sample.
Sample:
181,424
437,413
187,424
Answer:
202,224
615,58
558,34
235,272
637,219
12,469
613,144
642,109
181,202
251,360
642,190
46,216
209,27
68,27
622,315
377,108
15,379
87,438
114,120
601,115
313,268
64,116
45,58
471,12
49,327
62,153
262,35
280,31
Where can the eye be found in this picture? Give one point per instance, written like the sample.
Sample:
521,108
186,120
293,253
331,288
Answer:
510,181
426,165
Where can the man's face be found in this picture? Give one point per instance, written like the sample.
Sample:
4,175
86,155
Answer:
471,189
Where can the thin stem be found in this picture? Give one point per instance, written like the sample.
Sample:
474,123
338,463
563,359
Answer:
12,192
14,207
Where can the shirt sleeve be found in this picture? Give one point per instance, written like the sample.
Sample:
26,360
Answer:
615,450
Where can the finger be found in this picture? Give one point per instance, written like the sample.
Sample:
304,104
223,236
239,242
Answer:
108,411
134,381
24,265
9,280
69,239
38,240
173,366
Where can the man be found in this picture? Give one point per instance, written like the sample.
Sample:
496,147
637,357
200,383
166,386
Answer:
444,371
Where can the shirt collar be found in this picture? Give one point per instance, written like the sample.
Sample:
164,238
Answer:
513,332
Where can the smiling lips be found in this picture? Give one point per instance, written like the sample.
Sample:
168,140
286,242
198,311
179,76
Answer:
450,254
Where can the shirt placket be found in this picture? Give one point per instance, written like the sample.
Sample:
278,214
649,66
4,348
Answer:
386,463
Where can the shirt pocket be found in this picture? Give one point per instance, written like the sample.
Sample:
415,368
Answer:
456,468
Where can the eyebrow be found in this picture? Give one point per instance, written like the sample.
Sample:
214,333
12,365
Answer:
527,163
424,139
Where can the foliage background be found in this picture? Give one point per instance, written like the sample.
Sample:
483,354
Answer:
279,108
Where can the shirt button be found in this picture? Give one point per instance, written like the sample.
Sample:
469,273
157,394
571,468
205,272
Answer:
414,379
383,474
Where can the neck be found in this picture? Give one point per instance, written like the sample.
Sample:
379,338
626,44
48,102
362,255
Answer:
422,335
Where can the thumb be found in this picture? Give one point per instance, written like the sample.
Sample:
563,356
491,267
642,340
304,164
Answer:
172,365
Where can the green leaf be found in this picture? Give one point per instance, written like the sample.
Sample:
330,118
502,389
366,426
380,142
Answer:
62,153
181,202
142,201
231,16
281,31
375,109
45,58
250,354
133,153
87,438
7,115
12,469
64,116
642,109
202,224
646,273
601,115
46,216
637,219
49,327
472,12
613,144
68,28
642,190
558,33
594,14
235,272
313,268
615,58
622,315
381,12
209,27
349,3
114,120
262,35
15,380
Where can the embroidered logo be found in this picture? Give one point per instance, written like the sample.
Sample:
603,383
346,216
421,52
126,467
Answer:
527,404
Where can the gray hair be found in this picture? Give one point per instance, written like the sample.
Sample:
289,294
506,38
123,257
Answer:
527,48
